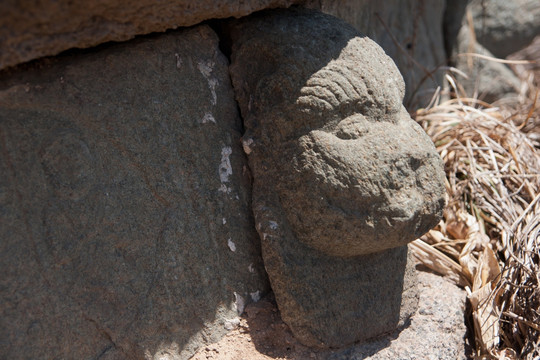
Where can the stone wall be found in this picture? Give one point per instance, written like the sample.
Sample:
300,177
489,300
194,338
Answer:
409,31
31,29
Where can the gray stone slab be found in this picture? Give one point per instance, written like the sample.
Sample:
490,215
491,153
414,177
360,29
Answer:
32,29
125,212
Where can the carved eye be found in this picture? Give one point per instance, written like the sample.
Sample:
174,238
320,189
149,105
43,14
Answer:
352,127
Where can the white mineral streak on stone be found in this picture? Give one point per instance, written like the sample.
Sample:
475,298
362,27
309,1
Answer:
213,83
273,225
239,303
232,245
224,188
225,168
255,296
251,268
208,117
206,69
231,324
178,61
224,221
246,144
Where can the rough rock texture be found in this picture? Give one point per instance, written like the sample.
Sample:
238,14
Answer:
500,28
340,172
531,52
124,199
437,331
487,80
30,29
527,72
503,26
410,32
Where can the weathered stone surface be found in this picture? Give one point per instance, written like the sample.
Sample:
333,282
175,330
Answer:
413,39
504,27
30,29
341,172
488,80
324,117
437,331
412,36
124,203
410,32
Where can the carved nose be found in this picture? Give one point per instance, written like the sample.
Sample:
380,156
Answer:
404,205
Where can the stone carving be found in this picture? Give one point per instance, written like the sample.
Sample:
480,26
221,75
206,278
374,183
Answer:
125,223
343,177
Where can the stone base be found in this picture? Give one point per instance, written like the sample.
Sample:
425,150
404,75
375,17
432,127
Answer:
333,302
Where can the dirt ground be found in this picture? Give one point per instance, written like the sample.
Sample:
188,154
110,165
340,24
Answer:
261,335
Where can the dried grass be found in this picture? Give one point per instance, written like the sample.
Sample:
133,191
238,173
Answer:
489,239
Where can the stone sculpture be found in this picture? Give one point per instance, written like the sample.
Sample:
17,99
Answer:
343,177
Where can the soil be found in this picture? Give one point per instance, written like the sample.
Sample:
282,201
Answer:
261,335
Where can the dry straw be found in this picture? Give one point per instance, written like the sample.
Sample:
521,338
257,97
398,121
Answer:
489,239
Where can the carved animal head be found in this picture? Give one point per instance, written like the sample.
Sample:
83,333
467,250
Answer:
353,172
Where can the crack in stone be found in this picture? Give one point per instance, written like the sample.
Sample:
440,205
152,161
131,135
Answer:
106,334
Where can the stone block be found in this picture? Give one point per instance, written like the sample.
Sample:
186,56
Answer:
31,29
125,212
